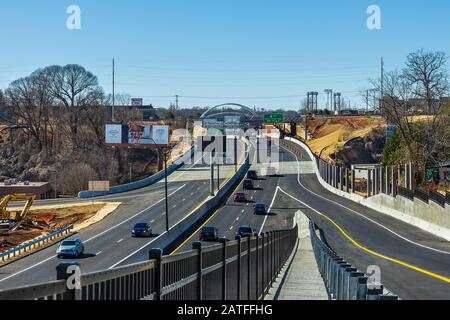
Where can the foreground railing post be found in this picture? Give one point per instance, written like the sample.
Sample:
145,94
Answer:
71,273
239,250
249,269
156,254
263,265
198,246
223,241
257,269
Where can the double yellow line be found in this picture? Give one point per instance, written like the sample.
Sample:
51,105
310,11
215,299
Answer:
212,216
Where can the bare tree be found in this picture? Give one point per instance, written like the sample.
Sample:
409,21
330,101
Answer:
28,103
76,89
427,73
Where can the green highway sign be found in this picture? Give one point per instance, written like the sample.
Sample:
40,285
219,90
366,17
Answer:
272,118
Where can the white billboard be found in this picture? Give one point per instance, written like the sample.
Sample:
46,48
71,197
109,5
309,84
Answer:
136,135
161,134
113,134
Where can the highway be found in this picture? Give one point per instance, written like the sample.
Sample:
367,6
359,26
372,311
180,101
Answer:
414,264
109,243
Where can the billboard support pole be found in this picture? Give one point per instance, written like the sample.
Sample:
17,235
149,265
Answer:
211,178
165,187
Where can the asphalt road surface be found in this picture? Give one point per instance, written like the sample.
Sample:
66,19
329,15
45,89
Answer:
109,243
414,264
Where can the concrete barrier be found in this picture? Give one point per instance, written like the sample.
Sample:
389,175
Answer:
141,183
186,227
428,217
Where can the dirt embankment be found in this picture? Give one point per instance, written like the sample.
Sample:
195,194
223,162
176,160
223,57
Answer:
40,222
347,140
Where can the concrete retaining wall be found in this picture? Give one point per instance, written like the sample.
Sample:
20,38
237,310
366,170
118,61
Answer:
141,183
429,217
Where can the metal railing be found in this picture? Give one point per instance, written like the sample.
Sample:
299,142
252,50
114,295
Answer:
422,195
242,269
405,193
437,197
343,282
32,245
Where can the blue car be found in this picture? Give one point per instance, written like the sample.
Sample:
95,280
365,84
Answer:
260,208
141,229
70,248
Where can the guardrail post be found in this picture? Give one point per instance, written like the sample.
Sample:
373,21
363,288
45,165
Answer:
361,289
73,291
369,183
198,246
353,284
374,293
223,241
346,283
239,253
156,254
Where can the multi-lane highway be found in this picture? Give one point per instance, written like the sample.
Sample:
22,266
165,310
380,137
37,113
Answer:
414,264
109,243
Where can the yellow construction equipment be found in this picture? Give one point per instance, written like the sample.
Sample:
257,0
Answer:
6,221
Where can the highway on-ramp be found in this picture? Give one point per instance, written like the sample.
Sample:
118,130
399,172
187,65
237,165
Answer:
414,264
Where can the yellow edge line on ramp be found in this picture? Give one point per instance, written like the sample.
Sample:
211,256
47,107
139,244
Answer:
407,265
354,242
206,222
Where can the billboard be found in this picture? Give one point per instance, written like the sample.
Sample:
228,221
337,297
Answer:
136,135
137,102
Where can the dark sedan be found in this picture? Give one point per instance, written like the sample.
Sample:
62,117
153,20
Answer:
209,234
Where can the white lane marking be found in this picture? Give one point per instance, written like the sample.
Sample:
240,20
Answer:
268,211
152,221
242,211
98,253
119,241
237,219
231,228
26,269
90,239
361,215
134,216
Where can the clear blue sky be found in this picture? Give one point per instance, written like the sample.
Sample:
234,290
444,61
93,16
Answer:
266,53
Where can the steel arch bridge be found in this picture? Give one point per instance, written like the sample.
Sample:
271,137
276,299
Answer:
229,109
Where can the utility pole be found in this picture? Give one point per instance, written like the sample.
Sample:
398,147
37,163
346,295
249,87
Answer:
113,90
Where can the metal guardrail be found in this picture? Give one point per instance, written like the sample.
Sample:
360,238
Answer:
242,269
422,195
26,247
342,281
405,193
437,197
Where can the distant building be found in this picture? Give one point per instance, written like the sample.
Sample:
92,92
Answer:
40,189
